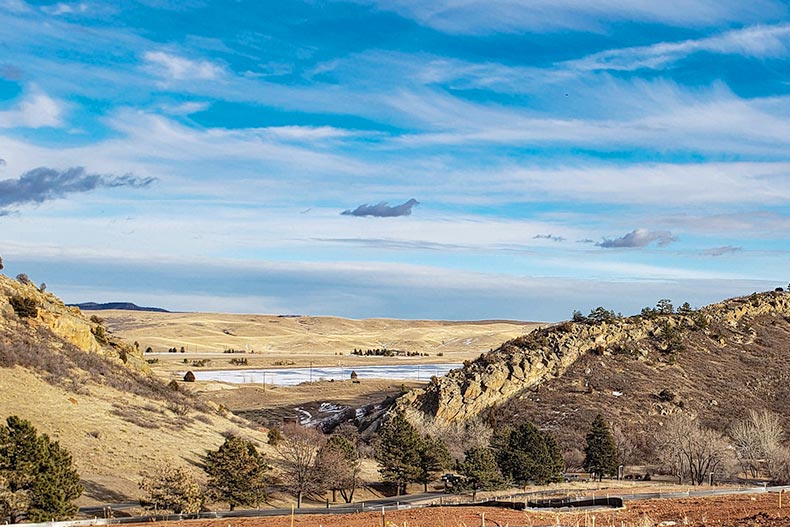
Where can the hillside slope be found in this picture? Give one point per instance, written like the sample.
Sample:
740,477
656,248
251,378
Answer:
313,338
715,363
93,393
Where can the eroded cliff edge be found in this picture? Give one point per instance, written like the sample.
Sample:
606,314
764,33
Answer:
545,354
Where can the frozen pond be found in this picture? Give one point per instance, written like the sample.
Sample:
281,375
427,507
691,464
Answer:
294,376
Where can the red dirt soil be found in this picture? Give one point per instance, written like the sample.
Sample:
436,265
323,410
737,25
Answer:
759,510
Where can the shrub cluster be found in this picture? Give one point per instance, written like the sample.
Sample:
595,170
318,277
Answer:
24,307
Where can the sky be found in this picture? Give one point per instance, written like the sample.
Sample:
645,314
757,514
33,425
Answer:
451,159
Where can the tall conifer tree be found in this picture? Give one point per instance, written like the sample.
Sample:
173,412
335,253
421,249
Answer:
237,473
38,468
399,452
600,454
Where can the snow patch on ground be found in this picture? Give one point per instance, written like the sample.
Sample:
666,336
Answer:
307,418
331,408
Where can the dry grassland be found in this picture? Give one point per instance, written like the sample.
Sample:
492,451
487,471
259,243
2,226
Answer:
276,341
115,436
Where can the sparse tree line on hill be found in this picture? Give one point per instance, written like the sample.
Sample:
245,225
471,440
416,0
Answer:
663,307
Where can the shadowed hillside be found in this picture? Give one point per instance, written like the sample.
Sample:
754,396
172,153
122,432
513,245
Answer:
715,363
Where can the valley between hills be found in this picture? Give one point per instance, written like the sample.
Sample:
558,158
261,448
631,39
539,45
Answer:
85,379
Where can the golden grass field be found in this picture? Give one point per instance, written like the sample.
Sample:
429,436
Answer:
325,341
270,341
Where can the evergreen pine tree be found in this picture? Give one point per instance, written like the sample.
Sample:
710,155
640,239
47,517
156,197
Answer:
237,473
172,488
528,454
600,454
480,470
399,452
434,457
38,468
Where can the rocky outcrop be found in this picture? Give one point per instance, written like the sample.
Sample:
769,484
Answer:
67,323
544,354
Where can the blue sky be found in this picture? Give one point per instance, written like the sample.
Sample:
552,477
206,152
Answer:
261,156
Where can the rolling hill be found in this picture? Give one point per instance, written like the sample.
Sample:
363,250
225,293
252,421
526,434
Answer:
95,394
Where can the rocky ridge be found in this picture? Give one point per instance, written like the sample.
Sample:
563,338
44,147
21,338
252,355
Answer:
545,354
67,323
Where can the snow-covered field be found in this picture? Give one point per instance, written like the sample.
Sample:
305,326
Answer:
294,376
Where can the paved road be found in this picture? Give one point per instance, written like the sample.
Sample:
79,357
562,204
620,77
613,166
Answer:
398,502
408,501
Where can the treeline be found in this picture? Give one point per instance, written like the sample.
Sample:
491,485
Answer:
386,352
513,456
602,315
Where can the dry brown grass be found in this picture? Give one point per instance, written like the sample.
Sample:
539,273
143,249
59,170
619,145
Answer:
717,382
113,435
319,339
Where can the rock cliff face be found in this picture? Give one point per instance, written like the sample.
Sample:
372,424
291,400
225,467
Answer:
67,323
545,354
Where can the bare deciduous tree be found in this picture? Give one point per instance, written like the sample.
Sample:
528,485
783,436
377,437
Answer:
626,448
781,474
690,450
758,443
299,449
338,465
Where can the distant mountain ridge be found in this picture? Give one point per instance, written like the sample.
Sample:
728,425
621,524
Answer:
128,306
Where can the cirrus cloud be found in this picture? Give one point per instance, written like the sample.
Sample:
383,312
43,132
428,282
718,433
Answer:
174,67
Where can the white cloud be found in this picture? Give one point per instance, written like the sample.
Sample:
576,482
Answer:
357,289
489,16
62,8
15,6
154,136
307,133
174,67
186,108
755,41
616,113
35,110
